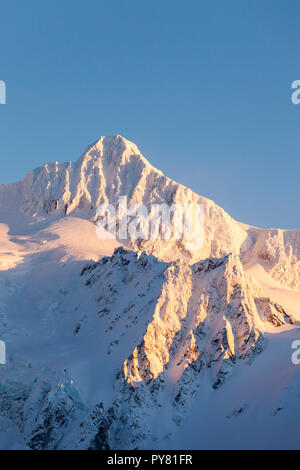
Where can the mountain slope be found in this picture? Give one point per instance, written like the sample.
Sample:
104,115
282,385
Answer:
149,335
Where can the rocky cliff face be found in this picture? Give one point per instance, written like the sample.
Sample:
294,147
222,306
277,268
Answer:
180,321
206,319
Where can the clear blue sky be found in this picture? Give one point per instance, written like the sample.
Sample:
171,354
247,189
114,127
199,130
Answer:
202,87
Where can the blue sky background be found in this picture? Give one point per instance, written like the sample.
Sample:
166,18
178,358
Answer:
202,87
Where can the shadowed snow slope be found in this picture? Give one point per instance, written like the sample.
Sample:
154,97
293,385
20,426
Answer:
149,347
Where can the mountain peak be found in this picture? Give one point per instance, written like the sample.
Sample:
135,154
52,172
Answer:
114,146
113,167
114,155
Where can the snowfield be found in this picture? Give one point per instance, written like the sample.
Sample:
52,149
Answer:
141,344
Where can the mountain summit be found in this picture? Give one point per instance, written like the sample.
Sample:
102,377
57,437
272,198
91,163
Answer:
114,167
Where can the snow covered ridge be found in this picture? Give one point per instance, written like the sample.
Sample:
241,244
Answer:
201,322
154,334
209,312
112,168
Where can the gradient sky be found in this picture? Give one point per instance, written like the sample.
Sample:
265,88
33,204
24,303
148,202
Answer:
202,87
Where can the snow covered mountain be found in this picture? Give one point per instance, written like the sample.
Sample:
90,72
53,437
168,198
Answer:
114,167
113,346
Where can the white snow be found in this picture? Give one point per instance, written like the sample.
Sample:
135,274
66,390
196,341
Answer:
147,334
